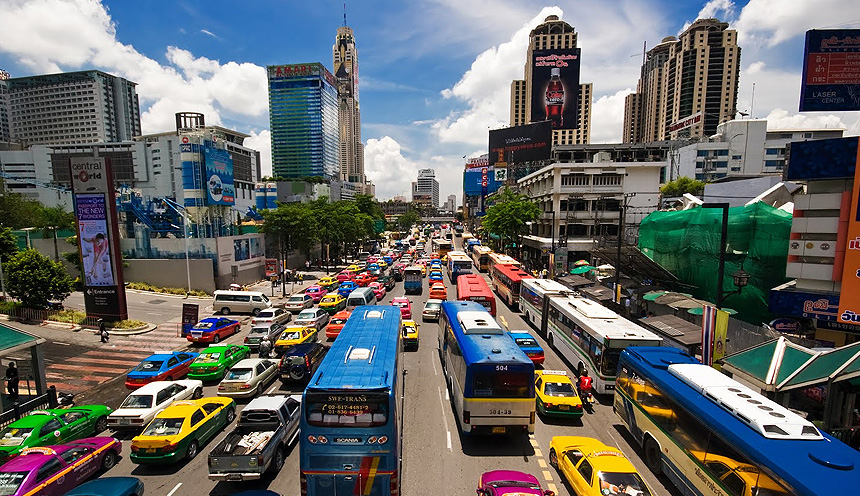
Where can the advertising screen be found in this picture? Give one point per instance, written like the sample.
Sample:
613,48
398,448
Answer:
521,143
555,87
831,71
480,181
218,174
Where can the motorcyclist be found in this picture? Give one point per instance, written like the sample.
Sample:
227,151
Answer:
584,385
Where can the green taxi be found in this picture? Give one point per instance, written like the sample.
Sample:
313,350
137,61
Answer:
50,427
177,432
214,362
332,303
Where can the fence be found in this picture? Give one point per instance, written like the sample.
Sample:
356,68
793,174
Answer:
38,316
46,400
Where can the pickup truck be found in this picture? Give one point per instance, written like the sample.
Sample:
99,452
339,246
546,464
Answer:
267,426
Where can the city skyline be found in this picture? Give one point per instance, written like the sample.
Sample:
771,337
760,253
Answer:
435,76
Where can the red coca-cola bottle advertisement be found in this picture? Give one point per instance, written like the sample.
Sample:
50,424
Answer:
555,99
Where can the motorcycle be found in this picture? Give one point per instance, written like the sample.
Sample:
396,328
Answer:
66,400
587,400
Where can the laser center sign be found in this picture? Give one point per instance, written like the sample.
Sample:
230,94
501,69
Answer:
831,70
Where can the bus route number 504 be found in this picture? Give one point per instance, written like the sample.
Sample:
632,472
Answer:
501,367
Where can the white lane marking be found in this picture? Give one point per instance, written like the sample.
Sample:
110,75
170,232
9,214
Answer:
175,488
62,343
449,440
447,398
435,370
552,488
444,415
275,385
542,462
154,313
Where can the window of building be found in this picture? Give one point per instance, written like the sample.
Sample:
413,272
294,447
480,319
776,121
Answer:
771,151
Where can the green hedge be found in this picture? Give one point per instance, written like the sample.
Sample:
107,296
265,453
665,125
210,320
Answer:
142,286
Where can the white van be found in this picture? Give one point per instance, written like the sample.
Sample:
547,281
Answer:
227,302
361,296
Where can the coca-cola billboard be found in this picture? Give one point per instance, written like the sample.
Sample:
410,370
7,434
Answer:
555,87
518,144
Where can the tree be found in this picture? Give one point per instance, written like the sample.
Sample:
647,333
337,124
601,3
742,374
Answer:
367,205
682,185
407,220
292,226
8,243
17,211
53,219
35,279
508,215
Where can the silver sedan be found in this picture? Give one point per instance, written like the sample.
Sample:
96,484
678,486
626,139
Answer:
248,378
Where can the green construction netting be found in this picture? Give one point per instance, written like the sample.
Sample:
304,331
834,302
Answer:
687,244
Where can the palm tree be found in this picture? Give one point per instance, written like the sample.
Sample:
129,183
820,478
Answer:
53,219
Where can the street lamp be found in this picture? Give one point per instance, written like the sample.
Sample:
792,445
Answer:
740,277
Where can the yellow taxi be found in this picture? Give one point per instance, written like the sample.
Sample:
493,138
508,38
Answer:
382,264
409,335
332,303
353,268
423,269
595,469
295,334
328,282
555,394
177,432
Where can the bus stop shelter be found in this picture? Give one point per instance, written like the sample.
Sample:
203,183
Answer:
24,349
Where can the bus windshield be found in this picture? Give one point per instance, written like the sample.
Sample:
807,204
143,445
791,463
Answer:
493,384
609,363
345,409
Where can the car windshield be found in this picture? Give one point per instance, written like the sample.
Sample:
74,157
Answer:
338,321
208,357
259,330
14,436
306,315
526,342
204,325
296,299
433,306
164,427
137,401
149,366
562,389
615,483
513,483
11,481
290,335
238,375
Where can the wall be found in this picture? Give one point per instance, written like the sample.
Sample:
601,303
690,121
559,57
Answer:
738,193
171,273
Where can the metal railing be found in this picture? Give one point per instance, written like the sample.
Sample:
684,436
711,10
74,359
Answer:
847,435
38,315
40,402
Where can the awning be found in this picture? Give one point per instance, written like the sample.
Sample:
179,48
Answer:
701,310
636,264
824,367
653,295
675,328
600,293
583,269
574,282
769,364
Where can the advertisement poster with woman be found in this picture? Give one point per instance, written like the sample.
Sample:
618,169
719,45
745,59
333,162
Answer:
95,251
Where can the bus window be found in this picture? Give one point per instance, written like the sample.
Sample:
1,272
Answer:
491,384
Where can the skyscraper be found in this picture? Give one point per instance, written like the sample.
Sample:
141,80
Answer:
69,108
303,115
426,189
553,37
345,63
687,86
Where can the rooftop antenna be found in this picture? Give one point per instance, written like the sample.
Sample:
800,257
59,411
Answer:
344,14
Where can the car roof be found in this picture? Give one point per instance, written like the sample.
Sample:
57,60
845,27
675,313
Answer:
184,407
400,299
270,402
217,348
521,335
301,349
249,362
156,386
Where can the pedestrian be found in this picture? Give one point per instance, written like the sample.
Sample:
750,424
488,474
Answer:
265,347
103,332
12,381
301,279
307,264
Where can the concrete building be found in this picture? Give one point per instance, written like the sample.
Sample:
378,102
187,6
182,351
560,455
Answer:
552,34
743,148
303,115
450,204
426,189
695,75
69,108
345,63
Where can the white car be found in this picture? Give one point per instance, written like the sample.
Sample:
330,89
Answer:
144,403
248,378
313,317
270,315
298,302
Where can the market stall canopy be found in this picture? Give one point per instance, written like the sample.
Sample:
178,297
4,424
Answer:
701,310
581,269
580,263
769,364
653,295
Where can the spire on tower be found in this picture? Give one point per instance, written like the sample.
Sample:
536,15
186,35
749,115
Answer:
344,14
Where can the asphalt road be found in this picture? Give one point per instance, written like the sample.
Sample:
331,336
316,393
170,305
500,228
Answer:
435,455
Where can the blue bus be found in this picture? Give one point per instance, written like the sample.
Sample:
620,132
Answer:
413,278
458,264
490,378
711,435
352,416
470,243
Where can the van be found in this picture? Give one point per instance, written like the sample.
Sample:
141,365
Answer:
361,296
227,302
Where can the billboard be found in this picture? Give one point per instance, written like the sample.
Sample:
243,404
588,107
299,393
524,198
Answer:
686,122
831,71
346,68
480,181
218,174
98,236
521,143
555,87
849,297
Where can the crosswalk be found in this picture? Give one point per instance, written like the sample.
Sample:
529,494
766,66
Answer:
79,373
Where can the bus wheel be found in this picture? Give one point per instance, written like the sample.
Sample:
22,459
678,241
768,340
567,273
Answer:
549,338
652,455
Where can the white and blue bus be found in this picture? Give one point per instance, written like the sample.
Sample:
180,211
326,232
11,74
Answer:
490,379
534,300
458,264
713,436
352,416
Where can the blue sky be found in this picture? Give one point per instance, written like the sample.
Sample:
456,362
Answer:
434,74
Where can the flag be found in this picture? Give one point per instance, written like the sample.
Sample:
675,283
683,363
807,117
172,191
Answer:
720,328
709,317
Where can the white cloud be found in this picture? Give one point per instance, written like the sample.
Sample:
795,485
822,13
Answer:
717,8
771,22
390,171
783,119
607,117
262,142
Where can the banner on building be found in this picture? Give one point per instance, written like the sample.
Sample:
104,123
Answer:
709,321
521,143
555,87
686,122
831,71
218,174
98,237
721,327
849,298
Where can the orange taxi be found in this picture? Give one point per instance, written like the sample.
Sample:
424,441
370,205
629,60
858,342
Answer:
438,291
335,325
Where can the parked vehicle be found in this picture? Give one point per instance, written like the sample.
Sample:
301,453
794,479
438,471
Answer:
267,427
248,378
272,315
300,361
139,407
227,302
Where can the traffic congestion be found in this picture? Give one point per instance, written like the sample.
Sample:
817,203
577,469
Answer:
433,360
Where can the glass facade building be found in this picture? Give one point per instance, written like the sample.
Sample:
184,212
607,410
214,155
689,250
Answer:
303,114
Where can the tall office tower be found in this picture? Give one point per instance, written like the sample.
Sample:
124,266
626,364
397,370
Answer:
345,63
687,86
553,44
426,189
72,107
4,107
303,116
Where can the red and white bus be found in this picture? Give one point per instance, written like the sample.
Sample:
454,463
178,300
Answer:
506,282
473,287
494,259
